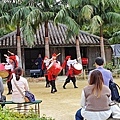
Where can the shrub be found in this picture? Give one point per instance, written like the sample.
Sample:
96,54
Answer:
7,114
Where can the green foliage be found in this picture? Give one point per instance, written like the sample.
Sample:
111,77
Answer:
7,114
110,66
28,34
96,22
115,39
86,12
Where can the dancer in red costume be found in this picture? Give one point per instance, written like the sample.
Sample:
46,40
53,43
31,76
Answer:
51,76
44,68
12,63
68,65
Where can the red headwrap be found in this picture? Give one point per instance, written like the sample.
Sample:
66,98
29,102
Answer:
65,61
67,57
54,55
13,57
45,57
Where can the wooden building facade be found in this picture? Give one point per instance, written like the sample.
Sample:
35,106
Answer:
89,46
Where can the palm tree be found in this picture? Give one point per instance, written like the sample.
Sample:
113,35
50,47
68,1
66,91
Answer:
44,12
19,14
12,12
73,15
104,12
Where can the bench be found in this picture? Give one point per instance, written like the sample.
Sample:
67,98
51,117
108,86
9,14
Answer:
36,73
36,107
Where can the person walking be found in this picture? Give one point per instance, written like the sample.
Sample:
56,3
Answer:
22,83
95,99
68,64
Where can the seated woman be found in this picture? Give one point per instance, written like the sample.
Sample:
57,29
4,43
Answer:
19,82
95,99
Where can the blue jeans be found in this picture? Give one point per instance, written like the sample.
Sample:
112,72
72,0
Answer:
78,115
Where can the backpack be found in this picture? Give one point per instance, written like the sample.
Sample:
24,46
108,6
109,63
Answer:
114,91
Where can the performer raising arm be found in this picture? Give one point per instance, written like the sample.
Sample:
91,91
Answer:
12,63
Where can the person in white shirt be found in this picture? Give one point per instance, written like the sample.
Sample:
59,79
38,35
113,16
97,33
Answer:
22,83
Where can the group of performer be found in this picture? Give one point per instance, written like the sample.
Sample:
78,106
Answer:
50,66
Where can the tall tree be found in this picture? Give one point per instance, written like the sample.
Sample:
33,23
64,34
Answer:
44,12
73,15
19,15
13,12
104,12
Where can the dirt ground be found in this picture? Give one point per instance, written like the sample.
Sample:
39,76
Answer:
61,105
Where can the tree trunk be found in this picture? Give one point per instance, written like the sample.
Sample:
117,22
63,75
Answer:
19,45
47,52
78,49
102,45
101,38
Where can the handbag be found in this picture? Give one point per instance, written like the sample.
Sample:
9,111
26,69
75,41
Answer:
28,97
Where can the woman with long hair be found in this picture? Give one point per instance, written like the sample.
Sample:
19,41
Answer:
95,99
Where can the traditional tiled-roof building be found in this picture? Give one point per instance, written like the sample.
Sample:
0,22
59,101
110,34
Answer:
89,45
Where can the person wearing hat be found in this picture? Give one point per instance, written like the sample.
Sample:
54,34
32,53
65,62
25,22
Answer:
107,74
68,64
51,76
15,58
11,64
44,68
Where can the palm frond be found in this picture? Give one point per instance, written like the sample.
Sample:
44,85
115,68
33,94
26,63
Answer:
20,14
113,3
116,34
4,20
71,25
60,15
96,21
86,12
113,17
73,3
28,35
48,16
34,17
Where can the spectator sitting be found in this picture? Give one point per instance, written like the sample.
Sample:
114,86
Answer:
21,82
95,99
